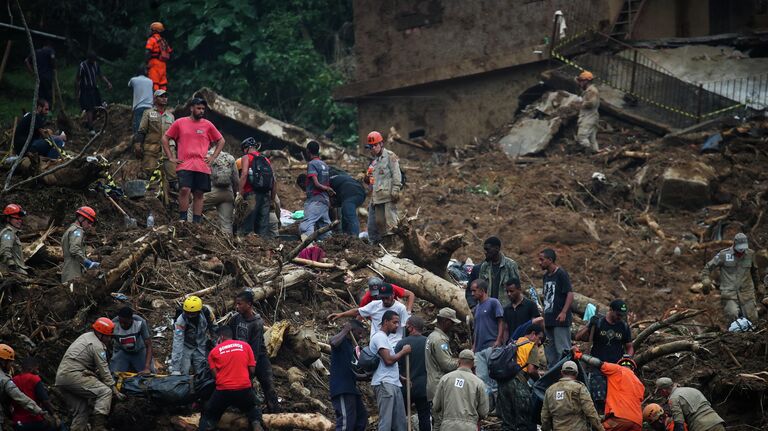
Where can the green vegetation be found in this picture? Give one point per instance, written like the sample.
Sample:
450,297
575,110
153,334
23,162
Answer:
282,56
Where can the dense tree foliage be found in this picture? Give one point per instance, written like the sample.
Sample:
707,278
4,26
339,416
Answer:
283,56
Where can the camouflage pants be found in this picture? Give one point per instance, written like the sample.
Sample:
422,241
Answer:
514,405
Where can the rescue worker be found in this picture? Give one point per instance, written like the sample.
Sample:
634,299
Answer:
84,379
461,399
349,195
11,257
190,337
688,406
148,145
588,116
514,405
438,349
385,181
624,398
8,388
225,182
30,383
247,325
157,54
658,419
497,270
75,260
258,188
738,279
319,192
567,404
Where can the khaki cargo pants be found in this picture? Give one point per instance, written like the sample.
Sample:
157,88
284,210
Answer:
730,299
152,154
382,219
224,201
79,392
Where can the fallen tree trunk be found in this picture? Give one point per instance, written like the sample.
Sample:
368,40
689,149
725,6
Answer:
293,277
647,332
235,422
655,352
431,255
424,284
579,305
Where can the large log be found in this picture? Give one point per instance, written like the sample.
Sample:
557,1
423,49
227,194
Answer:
647,332
654,352
431,255
422,283
234,422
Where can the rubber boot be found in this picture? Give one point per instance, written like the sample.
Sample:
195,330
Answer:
99,423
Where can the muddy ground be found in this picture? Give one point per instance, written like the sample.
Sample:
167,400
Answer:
596,228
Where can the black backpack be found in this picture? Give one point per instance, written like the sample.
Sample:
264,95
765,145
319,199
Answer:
367,361
260,175
502,362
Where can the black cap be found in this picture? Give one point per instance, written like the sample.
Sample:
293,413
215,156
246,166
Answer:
386,290
619,305
198,101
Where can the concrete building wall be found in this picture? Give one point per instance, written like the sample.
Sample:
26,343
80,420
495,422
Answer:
454,111
396,36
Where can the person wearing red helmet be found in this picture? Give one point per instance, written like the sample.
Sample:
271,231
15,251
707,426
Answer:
75,260
624,399
384,180
11,258
84,379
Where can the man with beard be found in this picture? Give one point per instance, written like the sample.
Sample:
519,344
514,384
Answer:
497,270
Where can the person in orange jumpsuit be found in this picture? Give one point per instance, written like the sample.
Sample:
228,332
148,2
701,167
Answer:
158,53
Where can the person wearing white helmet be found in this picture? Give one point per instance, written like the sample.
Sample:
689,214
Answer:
738,280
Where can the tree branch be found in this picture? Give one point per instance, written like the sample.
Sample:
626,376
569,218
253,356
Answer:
647,332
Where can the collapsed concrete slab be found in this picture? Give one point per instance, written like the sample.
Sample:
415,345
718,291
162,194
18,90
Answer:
687,186
539,124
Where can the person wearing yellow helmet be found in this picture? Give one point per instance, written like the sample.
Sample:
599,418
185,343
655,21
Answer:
84,379
588,116
11,258
8,388
192,333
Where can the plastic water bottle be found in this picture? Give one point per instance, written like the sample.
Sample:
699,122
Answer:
150,220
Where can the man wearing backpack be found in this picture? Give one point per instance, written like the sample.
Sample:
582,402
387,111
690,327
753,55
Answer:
158,52
257,187
319,190
190,337
351,414
225,183
610,336
514,404
385,181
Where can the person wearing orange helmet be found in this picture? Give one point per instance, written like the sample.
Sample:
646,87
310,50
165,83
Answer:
659,419
588,116
8,388
84,379
157,54
75,260
385,181
11,258
624,399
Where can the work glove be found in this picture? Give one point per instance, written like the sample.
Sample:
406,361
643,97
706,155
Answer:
395,196
90,264
118,395
706,285
576,353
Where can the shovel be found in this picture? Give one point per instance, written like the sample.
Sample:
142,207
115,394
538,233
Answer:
129,221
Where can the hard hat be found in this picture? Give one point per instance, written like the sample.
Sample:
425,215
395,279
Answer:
88,213
157,26
586,75
627,361
652,412
14,210
103,325
250,142
193,304
7,353
374,138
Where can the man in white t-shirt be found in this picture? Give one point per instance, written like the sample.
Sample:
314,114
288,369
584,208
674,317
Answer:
386,379
376,309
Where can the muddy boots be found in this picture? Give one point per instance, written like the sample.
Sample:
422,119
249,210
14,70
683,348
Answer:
99,423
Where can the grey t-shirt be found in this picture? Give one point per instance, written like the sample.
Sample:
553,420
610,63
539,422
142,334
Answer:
319,169
142,91
130,340
384,373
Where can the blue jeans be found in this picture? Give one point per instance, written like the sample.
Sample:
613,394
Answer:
137,113
45,149
315,216
350,224
257,218
481,369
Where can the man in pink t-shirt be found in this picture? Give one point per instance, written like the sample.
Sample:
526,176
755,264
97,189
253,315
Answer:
193,136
